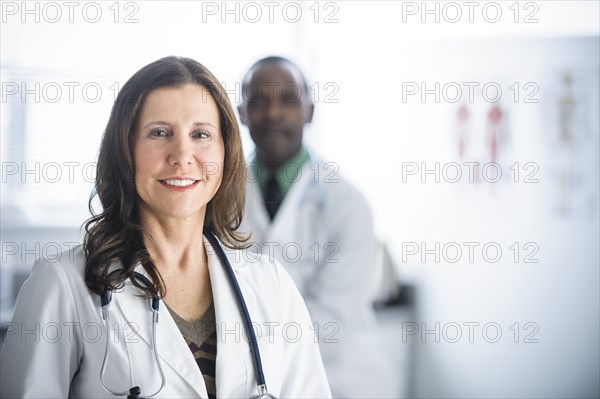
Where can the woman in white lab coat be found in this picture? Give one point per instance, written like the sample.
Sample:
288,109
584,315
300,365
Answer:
170,168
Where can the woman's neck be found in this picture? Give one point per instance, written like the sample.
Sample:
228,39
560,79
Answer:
175,245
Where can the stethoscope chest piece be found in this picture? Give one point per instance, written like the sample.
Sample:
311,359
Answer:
263,394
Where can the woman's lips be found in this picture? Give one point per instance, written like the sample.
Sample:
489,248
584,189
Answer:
179,184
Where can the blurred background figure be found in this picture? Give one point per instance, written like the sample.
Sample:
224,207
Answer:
301,211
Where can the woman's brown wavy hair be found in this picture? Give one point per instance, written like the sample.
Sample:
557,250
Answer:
115,234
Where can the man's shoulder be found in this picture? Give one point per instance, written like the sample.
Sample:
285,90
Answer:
328,176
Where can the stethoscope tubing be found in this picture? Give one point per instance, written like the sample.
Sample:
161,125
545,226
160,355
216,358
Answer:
105,300
260,377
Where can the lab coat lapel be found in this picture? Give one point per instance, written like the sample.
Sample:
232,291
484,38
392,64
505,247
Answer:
171,345
255,209
282,228
232,368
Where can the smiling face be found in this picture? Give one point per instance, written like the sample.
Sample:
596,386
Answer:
178,152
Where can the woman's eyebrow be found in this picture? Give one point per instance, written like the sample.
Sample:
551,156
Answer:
205,124
162,123
155,123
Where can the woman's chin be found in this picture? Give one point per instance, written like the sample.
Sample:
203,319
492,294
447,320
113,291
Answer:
168,214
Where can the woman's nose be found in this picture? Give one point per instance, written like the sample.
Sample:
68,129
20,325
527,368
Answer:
180,151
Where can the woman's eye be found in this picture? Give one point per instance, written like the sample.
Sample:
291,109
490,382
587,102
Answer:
159,133
201,135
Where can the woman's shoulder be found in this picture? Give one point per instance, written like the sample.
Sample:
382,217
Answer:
67,266
274,290
262,271
70,261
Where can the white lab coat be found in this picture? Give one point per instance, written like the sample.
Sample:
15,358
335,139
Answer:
55,344
323,235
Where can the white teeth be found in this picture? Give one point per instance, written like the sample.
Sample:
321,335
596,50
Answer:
180,183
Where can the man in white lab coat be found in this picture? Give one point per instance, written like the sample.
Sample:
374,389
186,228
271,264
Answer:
302,212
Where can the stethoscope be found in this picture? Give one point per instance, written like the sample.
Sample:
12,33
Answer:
135,392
